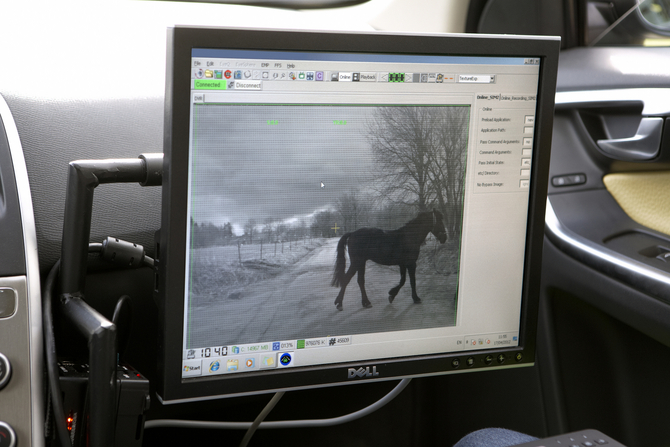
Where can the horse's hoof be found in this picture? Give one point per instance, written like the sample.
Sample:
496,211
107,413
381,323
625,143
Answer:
417,300
367,305
339,306
391,298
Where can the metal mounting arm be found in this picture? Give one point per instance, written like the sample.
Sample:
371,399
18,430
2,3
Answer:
84,176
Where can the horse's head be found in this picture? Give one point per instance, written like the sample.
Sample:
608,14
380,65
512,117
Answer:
438,227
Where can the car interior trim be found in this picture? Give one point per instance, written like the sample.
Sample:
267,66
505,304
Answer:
644,278
634,192
32,274
656,100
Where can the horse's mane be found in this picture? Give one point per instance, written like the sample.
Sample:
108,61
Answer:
418,220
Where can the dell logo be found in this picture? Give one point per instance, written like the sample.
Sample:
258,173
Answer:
352,373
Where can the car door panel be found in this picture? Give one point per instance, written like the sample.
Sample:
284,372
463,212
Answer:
605,312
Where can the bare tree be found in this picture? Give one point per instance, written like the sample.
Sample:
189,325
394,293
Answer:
352,209
250,229
420,152
323,225
269,227
447,172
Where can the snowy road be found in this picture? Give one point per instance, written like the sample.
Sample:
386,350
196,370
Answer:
298,303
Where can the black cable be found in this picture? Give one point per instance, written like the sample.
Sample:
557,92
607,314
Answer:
122,320
177,423
52,360
48,417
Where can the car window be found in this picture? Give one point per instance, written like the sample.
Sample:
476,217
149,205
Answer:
627,22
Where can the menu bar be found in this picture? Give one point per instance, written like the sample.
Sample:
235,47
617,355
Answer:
337,76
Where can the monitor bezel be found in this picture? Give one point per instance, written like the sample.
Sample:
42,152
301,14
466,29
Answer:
171,245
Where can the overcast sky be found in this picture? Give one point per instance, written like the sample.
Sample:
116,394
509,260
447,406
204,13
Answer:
247,168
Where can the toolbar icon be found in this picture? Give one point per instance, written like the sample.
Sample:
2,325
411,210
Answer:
232,365
285,359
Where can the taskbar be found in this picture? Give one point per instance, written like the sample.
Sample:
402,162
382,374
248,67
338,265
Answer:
232,359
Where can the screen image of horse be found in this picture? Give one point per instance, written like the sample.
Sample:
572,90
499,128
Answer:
395,247
280,194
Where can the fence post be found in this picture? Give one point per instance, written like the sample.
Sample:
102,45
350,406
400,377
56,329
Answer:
239,254
261,248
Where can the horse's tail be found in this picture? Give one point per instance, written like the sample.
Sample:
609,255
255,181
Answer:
340,261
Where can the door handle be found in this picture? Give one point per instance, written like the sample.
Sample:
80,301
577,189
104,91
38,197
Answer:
645,145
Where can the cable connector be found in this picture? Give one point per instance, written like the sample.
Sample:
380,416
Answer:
122,253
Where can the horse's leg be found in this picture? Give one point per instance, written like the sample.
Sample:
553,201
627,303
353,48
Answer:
412,281
361,283
394,291
345,281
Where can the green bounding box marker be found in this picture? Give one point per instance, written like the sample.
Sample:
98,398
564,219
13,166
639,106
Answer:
301,344
206,84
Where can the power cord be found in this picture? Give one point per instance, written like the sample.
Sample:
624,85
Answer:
261,416
177,423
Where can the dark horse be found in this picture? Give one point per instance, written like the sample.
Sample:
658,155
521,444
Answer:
395,247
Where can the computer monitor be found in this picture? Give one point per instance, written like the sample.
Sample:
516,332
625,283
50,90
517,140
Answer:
341,208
